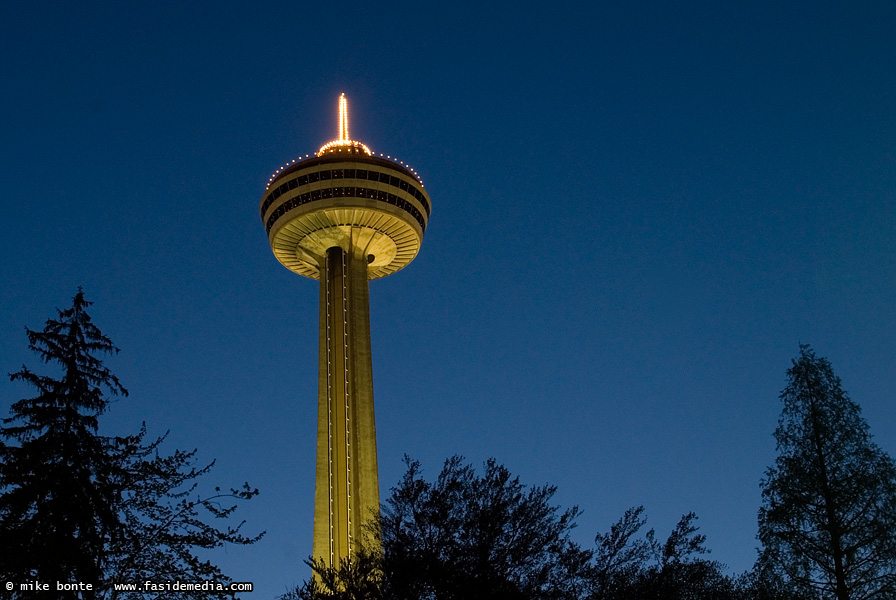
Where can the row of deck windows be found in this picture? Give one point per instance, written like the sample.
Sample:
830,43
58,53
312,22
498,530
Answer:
344,192
345,174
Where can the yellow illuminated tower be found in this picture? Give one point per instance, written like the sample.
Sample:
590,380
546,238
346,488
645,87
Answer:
344,216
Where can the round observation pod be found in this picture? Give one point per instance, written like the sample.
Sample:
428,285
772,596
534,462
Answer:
345,196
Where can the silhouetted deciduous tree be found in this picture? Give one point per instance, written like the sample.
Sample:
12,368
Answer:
360,578
165,521
76,506
628,568
619,557
462,536
828,522
466,536
765,582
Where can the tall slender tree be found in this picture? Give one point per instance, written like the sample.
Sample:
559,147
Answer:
828,519
77,506
58,506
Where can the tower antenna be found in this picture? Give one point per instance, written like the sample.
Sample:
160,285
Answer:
343,118
343,142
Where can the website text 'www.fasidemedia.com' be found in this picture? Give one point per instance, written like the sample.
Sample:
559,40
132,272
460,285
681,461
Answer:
143,586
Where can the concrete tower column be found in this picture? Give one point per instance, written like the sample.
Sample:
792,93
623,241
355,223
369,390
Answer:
346,490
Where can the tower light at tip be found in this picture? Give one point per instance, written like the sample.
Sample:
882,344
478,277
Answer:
343,118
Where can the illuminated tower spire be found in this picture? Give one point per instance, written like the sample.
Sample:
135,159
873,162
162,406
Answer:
343,140
343,217
343,118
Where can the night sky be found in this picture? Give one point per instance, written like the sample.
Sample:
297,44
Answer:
640,210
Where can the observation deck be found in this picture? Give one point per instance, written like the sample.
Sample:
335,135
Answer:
345,196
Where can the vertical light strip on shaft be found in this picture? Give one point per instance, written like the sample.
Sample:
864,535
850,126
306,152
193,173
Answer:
346,374
340,469
330,466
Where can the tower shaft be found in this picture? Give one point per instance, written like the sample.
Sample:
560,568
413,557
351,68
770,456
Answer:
346,492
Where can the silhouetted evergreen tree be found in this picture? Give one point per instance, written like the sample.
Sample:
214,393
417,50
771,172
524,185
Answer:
59,500
76,506
828,522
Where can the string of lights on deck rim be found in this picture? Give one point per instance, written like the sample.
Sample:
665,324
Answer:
336,146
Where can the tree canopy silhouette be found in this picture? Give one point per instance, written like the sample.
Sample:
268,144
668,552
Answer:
471,536
467,536
460,536
630,568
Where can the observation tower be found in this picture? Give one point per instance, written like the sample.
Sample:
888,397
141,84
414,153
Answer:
344,216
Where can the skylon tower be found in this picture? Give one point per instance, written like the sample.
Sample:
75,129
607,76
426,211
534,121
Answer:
344,216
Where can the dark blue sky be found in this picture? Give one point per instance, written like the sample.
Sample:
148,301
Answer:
639,211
